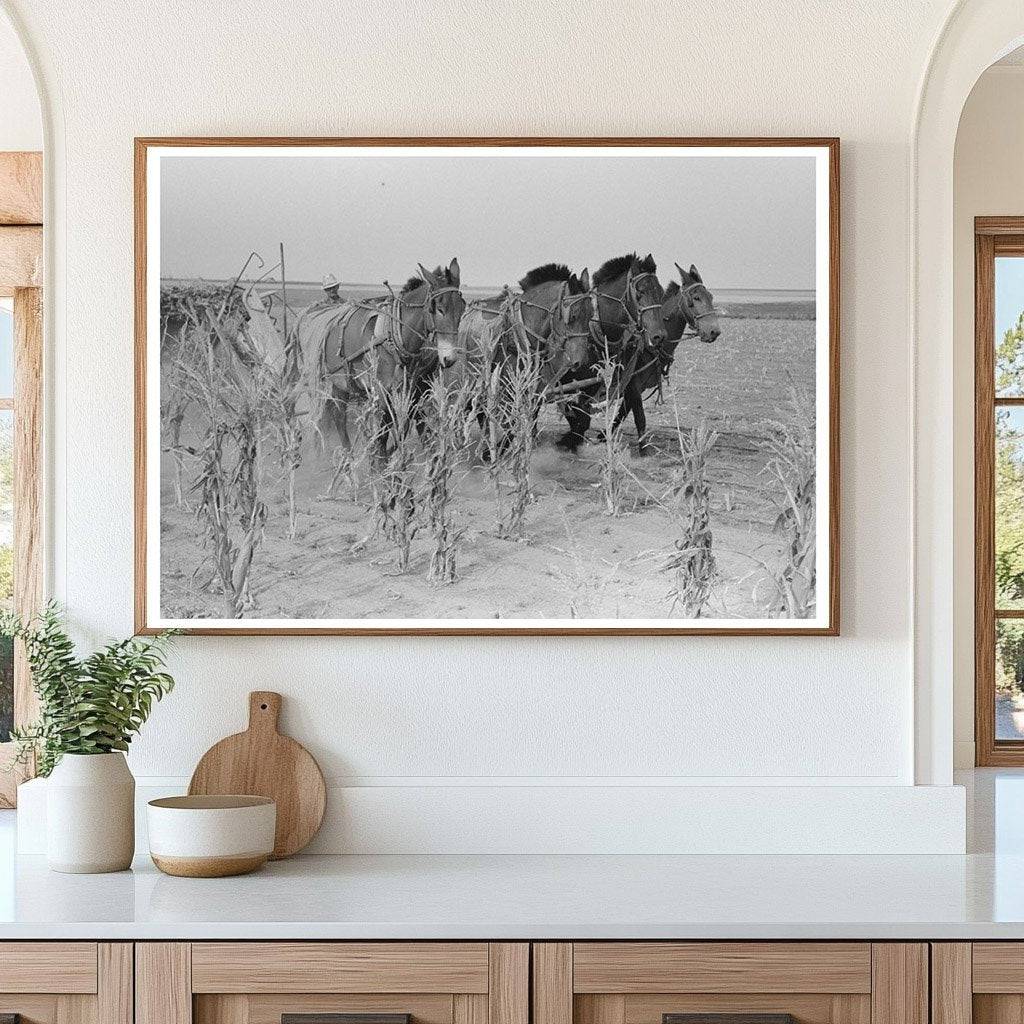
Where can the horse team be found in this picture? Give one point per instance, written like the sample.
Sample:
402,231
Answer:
572,327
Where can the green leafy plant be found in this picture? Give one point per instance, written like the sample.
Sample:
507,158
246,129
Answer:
90,705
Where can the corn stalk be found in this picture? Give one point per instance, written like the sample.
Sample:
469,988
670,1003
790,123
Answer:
515,387
693,562
792,463
615,474
394,468
451,413
231,389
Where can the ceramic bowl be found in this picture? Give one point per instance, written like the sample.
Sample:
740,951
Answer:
211,836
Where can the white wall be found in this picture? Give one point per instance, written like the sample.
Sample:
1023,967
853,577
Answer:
21,125
988,181
398,712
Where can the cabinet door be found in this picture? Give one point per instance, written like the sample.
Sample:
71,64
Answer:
332,983
66,982
980,982
737,982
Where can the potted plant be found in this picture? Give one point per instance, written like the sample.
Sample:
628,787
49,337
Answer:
89,710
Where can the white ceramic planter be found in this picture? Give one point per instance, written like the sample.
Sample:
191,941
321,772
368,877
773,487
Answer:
90,814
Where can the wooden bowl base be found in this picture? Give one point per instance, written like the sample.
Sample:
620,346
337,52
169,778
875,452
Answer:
209,867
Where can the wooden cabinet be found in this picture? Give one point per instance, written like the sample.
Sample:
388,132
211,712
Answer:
815,982
261,982
66,982
493,983
980,982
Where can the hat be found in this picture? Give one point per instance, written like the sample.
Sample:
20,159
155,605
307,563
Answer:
330,281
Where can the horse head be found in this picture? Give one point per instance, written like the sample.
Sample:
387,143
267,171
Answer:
697,305
574,314
645,295
440,312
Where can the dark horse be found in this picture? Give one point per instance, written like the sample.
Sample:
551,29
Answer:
549,322
551,316
627,329
691,307
396,339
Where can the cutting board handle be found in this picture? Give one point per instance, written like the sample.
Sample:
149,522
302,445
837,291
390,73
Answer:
264,710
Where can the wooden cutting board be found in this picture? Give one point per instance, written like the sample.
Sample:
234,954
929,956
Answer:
262,762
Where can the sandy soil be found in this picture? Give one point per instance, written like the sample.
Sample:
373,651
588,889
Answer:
577,561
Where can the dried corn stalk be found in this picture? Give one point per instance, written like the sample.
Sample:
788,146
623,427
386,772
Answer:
693,563
792,463
451,415
615,474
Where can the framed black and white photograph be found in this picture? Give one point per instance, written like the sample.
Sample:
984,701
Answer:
487,386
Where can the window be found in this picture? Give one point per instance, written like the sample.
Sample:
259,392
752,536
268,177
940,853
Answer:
999,490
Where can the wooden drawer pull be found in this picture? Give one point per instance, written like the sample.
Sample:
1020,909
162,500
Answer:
728,1018
340,1018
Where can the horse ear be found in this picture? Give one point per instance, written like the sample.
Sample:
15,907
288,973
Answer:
684,276
695,273
426,274
585,280
453,271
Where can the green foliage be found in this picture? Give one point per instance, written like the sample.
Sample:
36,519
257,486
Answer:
1009,466
6,688
1009,512
6,572
1009,656
91,705
1010,360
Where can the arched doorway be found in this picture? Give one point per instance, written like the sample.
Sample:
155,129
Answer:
976,33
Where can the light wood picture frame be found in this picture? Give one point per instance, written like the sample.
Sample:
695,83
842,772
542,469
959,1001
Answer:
701,571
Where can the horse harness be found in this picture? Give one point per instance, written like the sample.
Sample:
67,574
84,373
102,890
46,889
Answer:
635,325
635,328
696,317
391,308
693,320
564,305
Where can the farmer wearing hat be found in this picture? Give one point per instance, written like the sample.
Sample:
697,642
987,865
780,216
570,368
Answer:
331,285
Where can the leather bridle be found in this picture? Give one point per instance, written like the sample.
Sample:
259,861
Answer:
632,296
564,307
428,337
691,316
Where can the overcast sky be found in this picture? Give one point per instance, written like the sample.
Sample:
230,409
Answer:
747,222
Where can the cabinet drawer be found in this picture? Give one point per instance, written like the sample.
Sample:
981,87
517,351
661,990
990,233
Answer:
736,982
998,967
48,967
263,982
980,982
630,967
340,967
66,982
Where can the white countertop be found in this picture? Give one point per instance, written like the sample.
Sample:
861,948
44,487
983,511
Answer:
978,896
532,897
